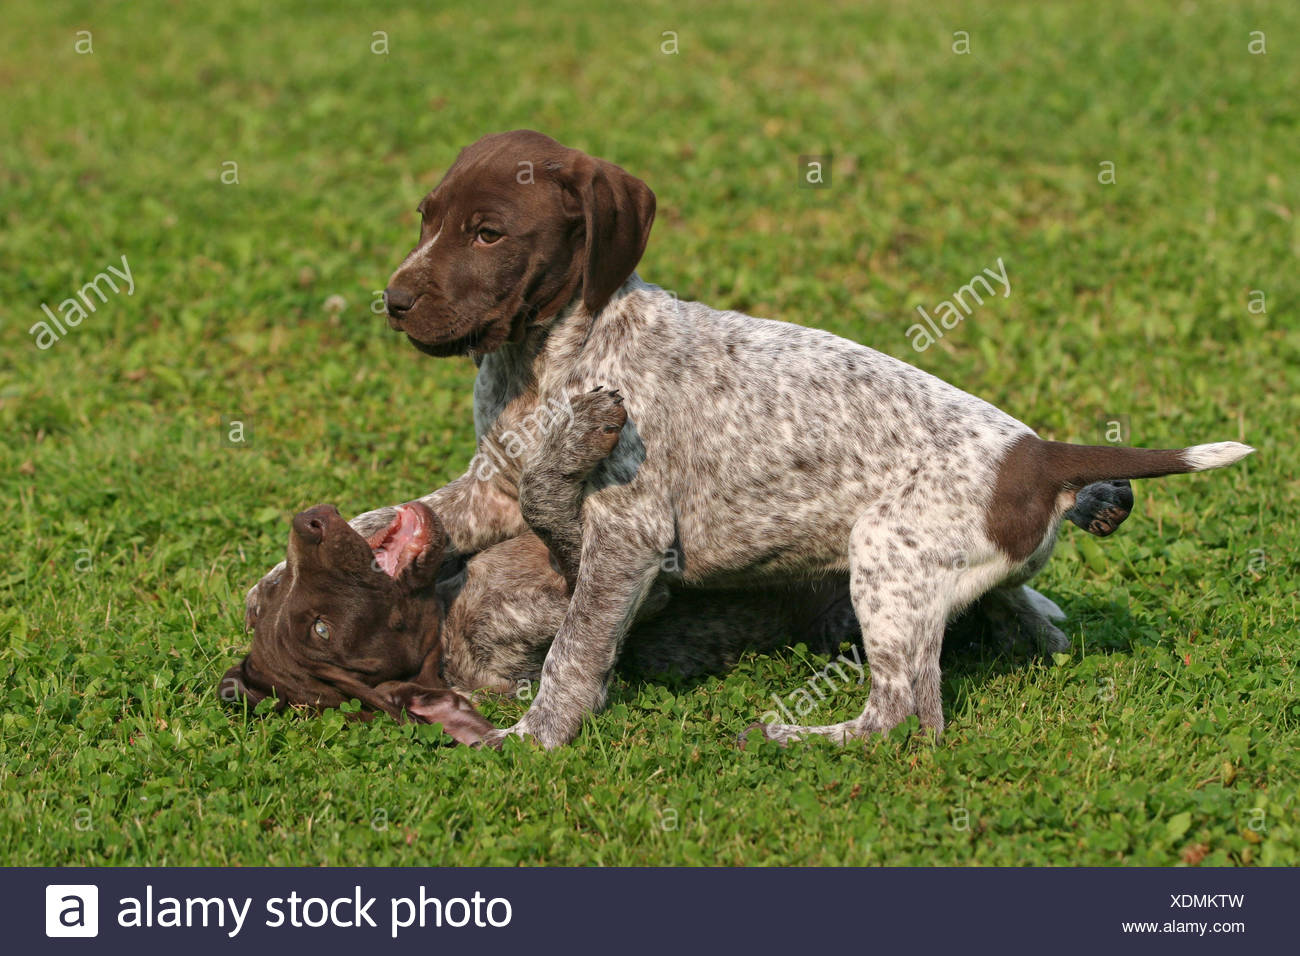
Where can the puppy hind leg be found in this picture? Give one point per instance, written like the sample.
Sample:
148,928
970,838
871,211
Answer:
1020,618
901,640
926,685
901,602
1044,604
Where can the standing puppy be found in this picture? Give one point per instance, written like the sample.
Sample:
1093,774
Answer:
754,450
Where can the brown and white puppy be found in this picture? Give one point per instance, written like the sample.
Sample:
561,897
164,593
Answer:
755,451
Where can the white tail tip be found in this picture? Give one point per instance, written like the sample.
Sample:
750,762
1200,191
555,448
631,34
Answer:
1216,455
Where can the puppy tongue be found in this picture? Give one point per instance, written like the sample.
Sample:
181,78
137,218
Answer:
401,542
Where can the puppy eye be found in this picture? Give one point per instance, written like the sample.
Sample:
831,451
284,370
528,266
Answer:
486,237
321,630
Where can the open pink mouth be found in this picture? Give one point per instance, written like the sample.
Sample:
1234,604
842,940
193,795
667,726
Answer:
402,541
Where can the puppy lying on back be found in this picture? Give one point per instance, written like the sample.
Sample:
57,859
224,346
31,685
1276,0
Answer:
351,619
355,618
392,622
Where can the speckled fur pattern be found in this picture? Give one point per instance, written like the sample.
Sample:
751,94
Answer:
506,605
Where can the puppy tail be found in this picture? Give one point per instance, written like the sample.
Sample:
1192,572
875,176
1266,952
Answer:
1073,466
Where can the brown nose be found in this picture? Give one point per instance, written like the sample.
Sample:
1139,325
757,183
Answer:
310,524
398,301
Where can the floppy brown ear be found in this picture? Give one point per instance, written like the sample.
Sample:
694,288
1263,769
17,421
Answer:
457,715
618,210
238,687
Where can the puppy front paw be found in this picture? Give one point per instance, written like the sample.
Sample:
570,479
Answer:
597,420
494,739
549,741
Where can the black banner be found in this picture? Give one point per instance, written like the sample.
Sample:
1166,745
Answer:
192,911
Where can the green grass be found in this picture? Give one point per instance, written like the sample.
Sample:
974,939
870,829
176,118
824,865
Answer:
1169,733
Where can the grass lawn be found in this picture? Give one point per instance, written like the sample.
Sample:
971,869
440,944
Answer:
1133,165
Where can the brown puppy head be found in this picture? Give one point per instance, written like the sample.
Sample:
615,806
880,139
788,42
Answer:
518,227
355,619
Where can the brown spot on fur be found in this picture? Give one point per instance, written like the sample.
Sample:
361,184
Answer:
1034,474
1021,507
